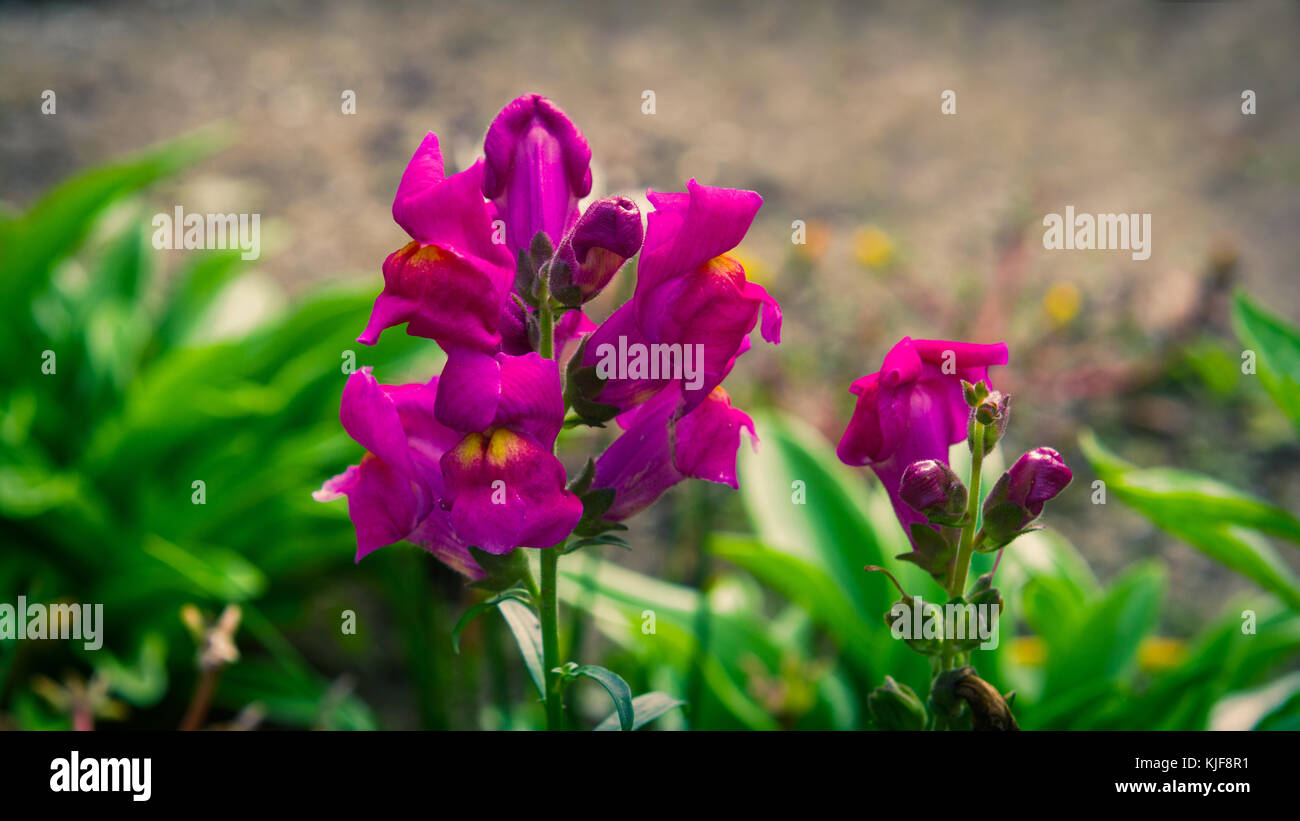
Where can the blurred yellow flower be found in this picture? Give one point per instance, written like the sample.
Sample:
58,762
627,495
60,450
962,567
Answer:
1029,651
1061,303
873,248
1155,653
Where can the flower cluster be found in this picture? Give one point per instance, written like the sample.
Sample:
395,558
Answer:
927,396
500,263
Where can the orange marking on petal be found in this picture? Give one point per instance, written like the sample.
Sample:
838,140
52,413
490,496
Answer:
724,267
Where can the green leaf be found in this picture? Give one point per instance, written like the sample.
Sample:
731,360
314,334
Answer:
645,709
1221,659
808,507
195,292
1092,647
799,581
217,573
1169,493
739,634
602,540
518,594
527,631
1219,520
1276,344
615,686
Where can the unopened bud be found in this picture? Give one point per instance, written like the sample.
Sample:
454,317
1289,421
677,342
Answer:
932,488
896,706
1017,498
974,393
992,412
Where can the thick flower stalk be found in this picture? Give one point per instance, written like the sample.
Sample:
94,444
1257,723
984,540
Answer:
501,260
927,396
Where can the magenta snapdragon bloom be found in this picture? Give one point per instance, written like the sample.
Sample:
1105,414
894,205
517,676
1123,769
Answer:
395,493
913,409
607,234
445,489
505,488
450,282
659,450
690,297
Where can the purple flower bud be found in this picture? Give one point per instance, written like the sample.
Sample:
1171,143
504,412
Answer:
932,488
1019,495
607,234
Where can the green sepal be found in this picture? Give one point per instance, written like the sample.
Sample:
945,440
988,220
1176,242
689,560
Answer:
895,706
931,552
525,280
503,570
595,503
580,483
540,250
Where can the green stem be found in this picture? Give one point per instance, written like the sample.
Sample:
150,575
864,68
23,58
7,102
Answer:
548,603
967,546
545,318
550,616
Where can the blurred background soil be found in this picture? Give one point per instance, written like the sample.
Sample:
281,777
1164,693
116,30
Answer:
917,223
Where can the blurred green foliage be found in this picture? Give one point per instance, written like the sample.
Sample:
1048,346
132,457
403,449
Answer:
119,395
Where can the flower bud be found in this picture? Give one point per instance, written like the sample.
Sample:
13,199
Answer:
607,234
987,602
1019,495
974,392
932,488
992,412
912,626
984,592
896,706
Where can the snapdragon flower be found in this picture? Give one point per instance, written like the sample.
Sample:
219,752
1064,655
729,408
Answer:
913,409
